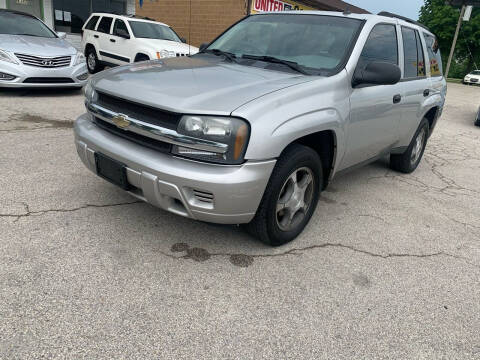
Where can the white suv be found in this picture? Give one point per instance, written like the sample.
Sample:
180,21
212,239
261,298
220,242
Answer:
117,40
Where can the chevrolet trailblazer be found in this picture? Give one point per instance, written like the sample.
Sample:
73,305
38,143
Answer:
252,128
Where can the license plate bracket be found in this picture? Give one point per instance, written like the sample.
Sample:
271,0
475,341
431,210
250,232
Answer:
112,171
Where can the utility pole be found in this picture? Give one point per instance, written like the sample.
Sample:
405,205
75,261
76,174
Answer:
452,50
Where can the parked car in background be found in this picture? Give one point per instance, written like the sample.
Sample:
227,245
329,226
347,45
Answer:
117,40
472,78
33,55
253,128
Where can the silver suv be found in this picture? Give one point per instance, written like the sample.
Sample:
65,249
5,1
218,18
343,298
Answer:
252,128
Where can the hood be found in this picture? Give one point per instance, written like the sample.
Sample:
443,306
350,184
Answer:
158,45
194,84
38,46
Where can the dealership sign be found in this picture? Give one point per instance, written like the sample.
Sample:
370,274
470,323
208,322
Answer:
277,5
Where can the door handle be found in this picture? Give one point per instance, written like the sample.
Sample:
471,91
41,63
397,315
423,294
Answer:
397,98
113,40
426,92
95,36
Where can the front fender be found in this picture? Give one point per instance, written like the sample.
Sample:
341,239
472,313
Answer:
278,119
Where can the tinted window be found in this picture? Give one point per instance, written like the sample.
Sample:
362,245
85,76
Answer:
14,24
91,23
433,55
105,24
150,30
312,41
120,24
413,51
381,46
421,56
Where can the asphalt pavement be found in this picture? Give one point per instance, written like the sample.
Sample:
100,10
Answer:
389,266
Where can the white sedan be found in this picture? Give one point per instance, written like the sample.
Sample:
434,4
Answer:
472,78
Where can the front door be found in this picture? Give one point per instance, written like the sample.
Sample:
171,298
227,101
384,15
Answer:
33,7
375,110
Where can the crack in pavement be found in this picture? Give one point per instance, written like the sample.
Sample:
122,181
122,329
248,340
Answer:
28,212
244,260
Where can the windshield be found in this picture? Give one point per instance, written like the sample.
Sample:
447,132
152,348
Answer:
149,30
312,41
16,24
475,72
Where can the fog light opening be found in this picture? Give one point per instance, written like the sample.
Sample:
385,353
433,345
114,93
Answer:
83,77
6,77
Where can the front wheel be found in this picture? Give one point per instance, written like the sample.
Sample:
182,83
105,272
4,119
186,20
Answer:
290,198
409,160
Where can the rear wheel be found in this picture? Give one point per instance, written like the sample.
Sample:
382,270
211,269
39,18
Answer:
409,160
93,64
290,198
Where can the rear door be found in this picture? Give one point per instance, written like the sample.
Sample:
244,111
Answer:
416,84
375,109
102,36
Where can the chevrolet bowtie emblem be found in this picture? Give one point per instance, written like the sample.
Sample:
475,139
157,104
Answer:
121,121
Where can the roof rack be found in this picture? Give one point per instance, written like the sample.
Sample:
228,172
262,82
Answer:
392,15
140,17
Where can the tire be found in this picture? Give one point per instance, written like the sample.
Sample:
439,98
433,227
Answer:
93,64
141,57
409,160
275,228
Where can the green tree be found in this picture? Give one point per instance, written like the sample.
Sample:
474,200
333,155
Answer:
442,19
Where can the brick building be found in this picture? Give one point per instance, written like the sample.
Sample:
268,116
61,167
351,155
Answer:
201,21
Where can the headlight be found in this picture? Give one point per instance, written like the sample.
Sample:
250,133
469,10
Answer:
232,132
80,59
164,54
4,56
90,93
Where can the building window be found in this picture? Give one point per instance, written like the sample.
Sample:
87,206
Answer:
70,15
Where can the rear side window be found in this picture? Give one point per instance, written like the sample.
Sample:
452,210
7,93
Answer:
433,55
381,45
414,64
105,24
91,23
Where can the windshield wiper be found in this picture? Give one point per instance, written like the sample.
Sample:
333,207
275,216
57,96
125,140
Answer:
230,56
271,59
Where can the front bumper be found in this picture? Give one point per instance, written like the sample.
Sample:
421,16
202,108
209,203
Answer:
23,72
474,81
173,183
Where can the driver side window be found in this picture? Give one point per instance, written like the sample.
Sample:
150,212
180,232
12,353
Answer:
381,45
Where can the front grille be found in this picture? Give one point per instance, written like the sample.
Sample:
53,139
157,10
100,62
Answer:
140,112
44,62
473,80
48,80
136,138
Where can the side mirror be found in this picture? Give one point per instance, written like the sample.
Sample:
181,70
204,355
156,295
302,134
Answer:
122,33
62,35
183,40
203,46
377,73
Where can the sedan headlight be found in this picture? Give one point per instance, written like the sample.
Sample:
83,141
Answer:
4,56
80,59
232,132
165,54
